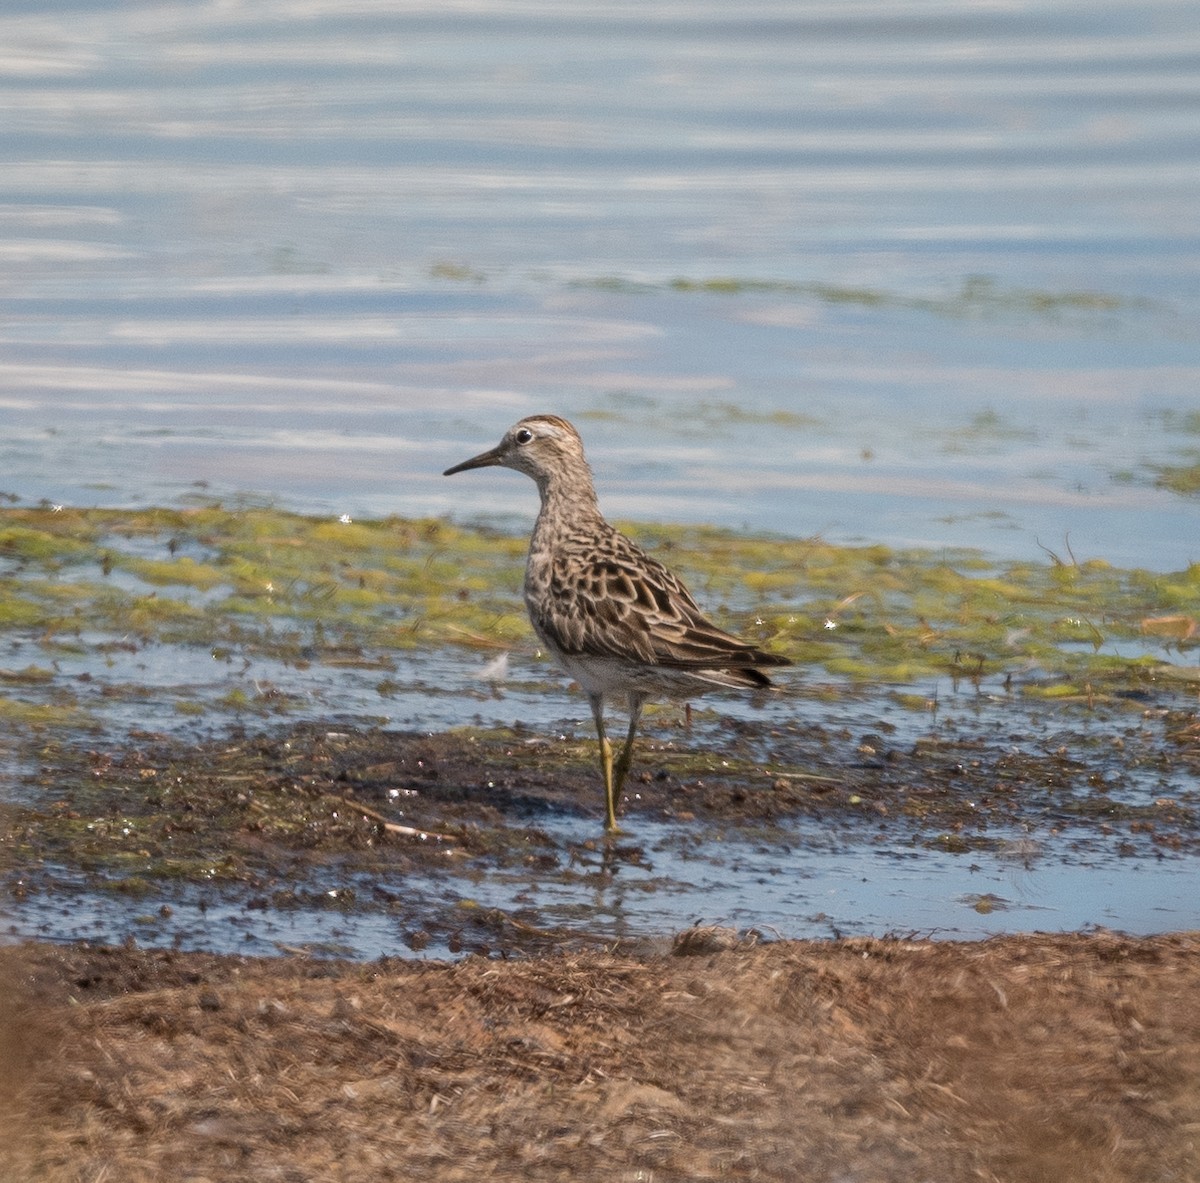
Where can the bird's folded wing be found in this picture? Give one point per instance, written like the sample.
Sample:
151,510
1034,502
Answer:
628,606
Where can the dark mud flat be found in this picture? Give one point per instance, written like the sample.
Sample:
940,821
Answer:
1022,1059
410,833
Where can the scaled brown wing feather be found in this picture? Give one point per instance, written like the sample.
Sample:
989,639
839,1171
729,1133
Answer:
623,604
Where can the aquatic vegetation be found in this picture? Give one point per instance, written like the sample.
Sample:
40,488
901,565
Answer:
242,583
1179,478
708,415
976,295
1182,474
19,712
456,272
184,571
987,428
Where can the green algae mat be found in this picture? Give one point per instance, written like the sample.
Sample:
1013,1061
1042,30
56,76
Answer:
304,589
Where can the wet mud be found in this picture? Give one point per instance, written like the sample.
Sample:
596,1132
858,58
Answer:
409,827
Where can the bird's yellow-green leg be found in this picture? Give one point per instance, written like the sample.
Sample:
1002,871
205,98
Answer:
610,790
606,766
621,771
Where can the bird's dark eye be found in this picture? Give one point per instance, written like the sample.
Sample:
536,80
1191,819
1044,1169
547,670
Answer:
523,436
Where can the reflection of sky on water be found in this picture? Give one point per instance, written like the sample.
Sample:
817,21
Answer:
245,243
790,893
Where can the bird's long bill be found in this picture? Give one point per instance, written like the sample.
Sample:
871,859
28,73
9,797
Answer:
484,460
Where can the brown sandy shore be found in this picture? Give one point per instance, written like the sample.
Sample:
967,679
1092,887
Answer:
1019,1059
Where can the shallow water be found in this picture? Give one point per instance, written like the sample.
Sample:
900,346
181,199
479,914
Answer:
788,890
1062,869
915,273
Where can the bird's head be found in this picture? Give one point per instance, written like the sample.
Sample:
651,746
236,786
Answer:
541,446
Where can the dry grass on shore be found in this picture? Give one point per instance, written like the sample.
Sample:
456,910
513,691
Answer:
1021,1059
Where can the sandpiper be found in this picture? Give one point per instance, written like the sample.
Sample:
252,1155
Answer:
613,617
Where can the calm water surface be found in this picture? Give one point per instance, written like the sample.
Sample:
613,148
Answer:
912,272
891,270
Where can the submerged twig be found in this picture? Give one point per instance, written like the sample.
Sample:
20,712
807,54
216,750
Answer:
390,826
